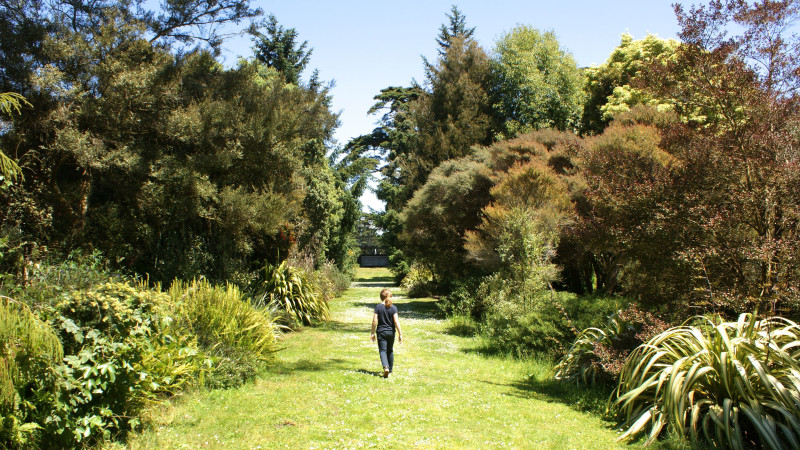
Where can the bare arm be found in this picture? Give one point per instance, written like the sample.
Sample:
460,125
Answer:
397,325
374,326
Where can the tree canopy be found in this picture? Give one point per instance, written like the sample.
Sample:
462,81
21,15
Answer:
538,84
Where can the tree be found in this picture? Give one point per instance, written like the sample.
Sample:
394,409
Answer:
278,49
610,86
393,140
699,212
165,161
452,223
455,113
456,28
734,83
537,85
424,126
625,222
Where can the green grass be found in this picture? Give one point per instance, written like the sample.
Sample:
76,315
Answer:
324,392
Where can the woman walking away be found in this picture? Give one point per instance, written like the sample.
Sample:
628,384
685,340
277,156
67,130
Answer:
384,322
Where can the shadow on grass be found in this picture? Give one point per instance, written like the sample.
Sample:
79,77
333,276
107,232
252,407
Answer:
384,279
374,373
375,283
307,365
411,309
461,330
347,327
592,399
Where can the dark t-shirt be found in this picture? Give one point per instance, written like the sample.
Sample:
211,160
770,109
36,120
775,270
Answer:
385,317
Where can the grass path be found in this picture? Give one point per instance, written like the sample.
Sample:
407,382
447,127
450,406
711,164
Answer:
325,392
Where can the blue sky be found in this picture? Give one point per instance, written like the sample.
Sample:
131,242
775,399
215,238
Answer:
364,46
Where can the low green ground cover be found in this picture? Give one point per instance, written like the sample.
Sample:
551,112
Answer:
447,391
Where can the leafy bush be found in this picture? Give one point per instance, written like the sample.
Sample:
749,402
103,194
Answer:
49,281
525,330
738,382
463,299
599,354
340,279
419,281
114,336
330,280
290,289
226,325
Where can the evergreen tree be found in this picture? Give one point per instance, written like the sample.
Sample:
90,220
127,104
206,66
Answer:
455,113
278,48
456,28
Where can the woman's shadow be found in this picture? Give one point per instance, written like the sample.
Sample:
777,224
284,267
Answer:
370,372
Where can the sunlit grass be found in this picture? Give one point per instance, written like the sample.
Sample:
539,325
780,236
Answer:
324,392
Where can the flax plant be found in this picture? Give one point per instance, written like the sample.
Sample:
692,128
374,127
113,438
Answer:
576,365
290,289
736,384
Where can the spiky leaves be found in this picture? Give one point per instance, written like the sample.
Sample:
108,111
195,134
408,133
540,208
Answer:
290,289
734,383
223,318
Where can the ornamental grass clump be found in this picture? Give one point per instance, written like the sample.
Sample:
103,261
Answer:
222,317
291,290
736,384
240,337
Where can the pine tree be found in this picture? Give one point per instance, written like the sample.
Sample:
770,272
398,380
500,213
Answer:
279,49
457,28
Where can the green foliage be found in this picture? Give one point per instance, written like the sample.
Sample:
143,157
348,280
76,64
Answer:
598,354
463,299
734,383
331,280
610,86
455,113
9,170
278,49
419,282
123,126
226,325
112,337
538,328
28,346
456,28
289,289
450,225
538,84
522,315
436,219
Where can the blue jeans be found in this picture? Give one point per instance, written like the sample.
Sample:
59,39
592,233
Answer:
385,348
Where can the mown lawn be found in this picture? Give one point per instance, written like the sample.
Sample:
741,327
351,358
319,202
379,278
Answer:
325,392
